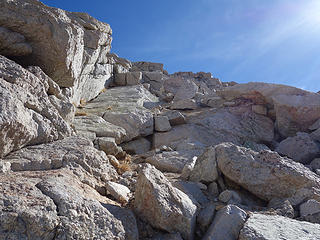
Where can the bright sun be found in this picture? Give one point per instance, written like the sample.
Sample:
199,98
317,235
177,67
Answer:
312,12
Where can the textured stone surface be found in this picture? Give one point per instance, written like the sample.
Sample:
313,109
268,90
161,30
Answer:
266,174
96,125
118,191
137,146
295,109
171,161
69,152
162,205
268,227
300,148
70,47
56,205
13,43
226,224
205,169
27,115
161,124
309,207
124,107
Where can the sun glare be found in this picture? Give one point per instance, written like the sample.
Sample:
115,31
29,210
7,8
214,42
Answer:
312,13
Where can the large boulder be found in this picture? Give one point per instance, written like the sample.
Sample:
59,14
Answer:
70,47
162,205
27,114
72,152
295,109
301,148
226,224
124,107
56,205
271,227
266,174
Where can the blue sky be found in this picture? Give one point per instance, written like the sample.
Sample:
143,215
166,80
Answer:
237,40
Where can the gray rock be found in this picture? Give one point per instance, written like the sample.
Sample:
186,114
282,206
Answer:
147,67
65,109
187,169
184,104
138,146
315,125
205,169
25,211
128,78
108,145
124,107
27,115
213,189
81,41
282,207
266,174
81,217
226,224
290,104
187,90
97,126
173,161
230,197
269,227
309,207
5,167
193,190
206,216
300,148
127,218
162,205
315,164
161,124
175,117
55,204
13,43
118,191
70,152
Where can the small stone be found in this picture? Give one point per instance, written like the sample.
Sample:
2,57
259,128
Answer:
162,123
118,191
230,197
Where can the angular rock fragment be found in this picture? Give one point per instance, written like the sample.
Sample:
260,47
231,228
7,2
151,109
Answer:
162,205
226,224
27,115
266,174
270,227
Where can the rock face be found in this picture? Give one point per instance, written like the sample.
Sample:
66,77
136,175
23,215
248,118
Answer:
124,107
295,109
93,146
267,227
162,205
69,152
27,115
56,205
265,174
70,47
